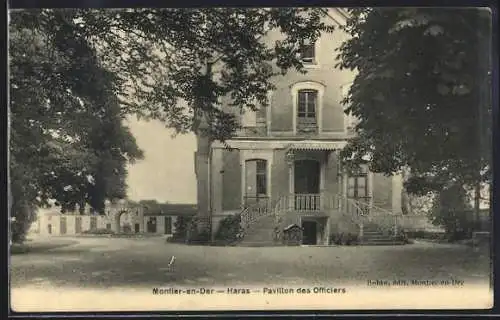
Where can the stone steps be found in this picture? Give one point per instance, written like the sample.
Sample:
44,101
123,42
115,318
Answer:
374,237
260,233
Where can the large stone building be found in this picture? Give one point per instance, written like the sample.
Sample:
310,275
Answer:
284,164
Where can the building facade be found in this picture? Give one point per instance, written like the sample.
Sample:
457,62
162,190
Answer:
284,161
118,218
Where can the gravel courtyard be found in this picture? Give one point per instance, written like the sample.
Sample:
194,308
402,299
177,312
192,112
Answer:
117,262
141,264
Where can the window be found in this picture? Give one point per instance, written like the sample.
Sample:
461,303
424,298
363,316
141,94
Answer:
357,185
308,53
108,226
261,177
308,100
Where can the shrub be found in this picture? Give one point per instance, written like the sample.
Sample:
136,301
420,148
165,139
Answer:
427,235
181,226
229,230
401,235
336,238
23,215
98,231
194,235
346,239
451,209
127,228
351,239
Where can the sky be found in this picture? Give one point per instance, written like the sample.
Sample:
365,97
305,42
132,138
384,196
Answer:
167,171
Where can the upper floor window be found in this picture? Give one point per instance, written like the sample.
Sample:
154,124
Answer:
307,97
308,53
307,103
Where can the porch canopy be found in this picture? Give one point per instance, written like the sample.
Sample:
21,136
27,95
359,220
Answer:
316,145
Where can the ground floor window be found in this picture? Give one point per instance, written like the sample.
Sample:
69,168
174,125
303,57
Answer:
357,184
357,188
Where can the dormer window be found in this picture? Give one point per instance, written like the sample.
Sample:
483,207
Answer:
308,53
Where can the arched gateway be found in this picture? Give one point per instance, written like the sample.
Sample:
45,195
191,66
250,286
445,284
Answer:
125,219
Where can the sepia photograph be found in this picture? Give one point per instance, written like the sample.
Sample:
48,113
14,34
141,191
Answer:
250,158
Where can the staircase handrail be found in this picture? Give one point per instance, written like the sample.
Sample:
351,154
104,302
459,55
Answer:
384,219
248,217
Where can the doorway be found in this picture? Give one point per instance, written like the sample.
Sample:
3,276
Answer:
78,225
62,226
307,184
151,225
309,232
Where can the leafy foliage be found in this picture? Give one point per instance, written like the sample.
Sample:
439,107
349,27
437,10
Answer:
75,73
181,225
229,230
172,64
452,210
422,93
67,139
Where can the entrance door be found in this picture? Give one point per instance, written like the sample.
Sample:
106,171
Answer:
309,232
306,184
78,224
151,225
62,226
168,225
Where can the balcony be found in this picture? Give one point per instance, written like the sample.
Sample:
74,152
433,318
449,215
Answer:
307,202
316,203
301,202
307,126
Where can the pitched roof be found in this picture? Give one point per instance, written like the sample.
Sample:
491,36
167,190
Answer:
171,209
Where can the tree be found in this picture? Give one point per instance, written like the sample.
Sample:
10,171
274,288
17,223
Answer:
450,209
57,95
150,60
422,93
159,56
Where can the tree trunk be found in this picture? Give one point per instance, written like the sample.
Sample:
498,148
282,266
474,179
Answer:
477,202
